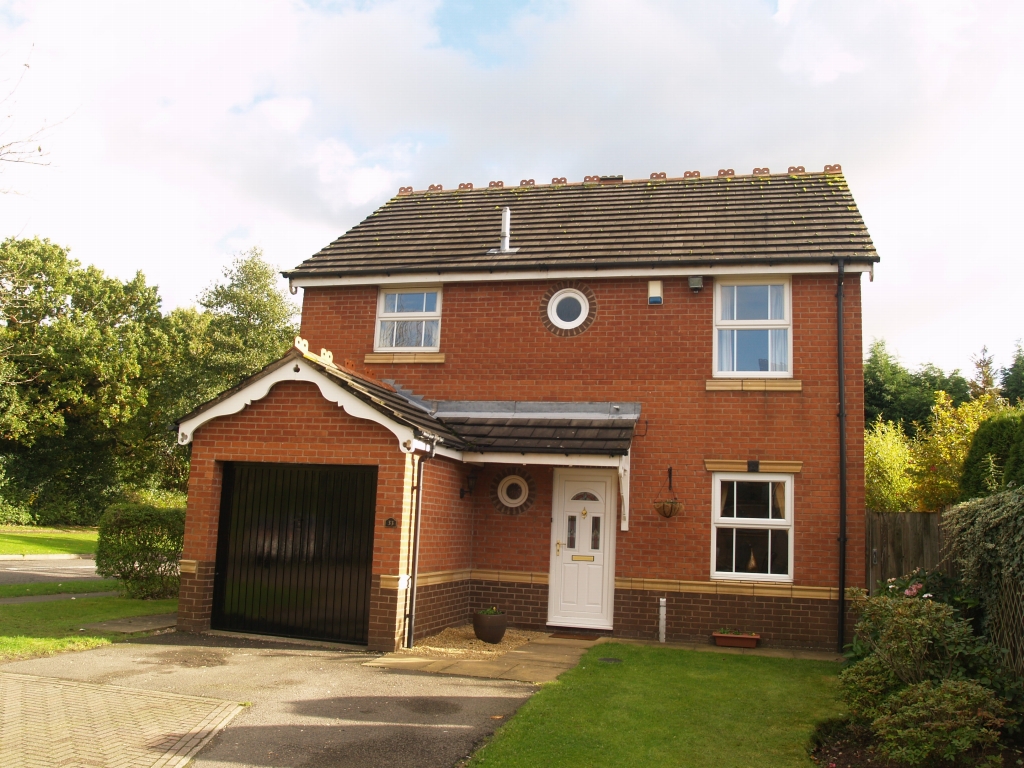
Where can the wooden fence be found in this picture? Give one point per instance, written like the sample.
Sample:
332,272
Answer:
900,542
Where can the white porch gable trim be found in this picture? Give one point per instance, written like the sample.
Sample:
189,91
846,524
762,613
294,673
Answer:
300,370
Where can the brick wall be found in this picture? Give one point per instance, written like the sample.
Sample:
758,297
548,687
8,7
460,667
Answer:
525,604
441,605
496,347
782,622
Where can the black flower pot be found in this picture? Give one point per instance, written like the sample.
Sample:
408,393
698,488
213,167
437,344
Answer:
490,627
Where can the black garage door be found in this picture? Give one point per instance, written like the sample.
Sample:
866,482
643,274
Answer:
294,551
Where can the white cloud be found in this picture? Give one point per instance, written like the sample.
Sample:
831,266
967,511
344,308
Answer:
189,131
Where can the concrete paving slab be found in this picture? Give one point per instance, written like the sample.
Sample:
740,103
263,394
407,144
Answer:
537,661
136,623
532,673
310,707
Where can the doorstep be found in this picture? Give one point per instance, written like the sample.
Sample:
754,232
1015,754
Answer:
539,661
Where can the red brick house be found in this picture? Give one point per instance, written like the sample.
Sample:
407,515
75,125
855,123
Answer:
495,391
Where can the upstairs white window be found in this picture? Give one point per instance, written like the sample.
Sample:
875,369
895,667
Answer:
408,319
753,321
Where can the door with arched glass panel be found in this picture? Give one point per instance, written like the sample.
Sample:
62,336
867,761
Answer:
582,580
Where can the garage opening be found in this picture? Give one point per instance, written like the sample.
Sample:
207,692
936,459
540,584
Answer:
294,551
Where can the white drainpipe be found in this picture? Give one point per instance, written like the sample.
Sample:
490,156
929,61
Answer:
662,611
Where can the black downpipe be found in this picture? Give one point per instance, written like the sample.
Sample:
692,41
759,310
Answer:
410,617
842,457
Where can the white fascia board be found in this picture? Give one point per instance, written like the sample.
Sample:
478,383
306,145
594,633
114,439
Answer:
299,370
571,274
550,459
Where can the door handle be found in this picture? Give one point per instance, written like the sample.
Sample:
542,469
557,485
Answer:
558,548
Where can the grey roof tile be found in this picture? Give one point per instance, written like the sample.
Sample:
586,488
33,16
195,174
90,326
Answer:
706,221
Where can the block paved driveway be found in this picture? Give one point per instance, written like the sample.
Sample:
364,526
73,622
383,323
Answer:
133,703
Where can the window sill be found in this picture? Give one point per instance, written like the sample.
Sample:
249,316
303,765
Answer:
737,465
404,357
753,385
754,580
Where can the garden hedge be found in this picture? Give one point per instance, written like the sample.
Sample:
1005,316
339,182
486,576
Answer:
997,445
140,545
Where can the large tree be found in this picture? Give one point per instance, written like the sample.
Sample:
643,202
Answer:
92,375
1012,378
78,350
244,322
894,393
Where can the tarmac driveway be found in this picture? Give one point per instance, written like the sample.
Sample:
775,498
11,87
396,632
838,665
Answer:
310,706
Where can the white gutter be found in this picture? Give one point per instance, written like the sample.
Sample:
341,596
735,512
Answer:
428,278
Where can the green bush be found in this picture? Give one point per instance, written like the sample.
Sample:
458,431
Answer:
864,686
956,721
140,545
985,467
916,639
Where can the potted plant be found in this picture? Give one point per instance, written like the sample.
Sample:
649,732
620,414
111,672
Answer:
489,625
668,508
732,638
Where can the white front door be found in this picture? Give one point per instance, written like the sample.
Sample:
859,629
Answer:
582,582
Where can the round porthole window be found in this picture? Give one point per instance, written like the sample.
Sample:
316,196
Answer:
568,309
512,491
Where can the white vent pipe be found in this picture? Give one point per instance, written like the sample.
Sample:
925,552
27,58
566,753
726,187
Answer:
506,229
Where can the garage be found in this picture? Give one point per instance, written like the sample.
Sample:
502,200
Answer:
294,550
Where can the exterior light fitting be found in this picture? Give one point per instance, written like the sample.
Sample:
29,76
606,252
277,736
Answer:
696,283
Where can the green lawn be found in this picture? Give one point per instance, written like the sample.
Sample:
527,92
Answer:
47,541
40,629
668,707
58,588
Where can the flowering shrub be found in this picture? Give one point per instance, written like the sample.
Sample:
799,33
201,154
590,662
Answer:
937,586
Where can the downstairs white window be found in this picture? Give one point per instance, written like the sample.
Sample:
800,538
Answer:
408,319
752,527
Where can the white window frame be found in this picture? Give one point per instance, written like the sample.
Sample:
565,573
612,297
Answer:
382,315
722,325
553,306
717,521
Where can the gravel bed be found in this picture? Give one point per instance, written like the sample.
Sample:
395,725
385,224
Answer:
461,643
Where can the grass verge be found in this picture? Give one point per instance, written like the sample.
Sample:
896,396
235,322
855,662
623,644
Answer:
669,707
58,588
41,629
47,541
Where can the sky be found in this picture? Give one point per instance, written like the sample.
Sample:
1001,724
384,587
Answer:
178,135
